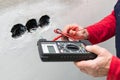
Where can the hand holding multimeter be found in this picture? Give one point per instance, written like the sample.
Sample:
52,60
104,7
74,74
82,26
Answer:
64,50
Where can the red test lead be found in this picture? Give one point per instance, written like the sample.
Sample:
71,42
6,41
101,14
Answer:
70,36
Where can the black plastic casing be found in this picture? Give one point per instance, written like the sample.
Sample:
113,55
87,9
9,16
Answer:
65,57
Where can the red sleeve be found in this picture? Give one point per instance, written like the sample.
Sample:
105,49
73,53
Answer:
114,71
102,30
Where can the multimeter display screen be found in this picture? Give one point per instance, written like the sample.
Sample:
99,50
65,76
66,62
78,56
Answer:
51,49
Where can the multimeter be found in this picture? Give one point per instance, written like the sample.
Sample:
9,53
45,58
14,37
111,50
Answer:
51,51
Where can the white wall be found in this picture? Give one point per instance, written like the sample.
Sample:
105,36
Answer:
19,58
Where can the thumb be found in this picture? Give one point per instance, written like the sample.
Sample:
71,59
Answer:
94,49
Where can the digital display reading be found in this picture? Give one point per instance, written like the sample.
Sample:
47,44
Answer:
51,49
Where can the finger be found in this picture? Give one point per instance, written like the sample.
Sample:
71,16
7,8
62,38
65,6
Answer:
95,49
83,64
65,30
68,27
64,38
71,32
84,70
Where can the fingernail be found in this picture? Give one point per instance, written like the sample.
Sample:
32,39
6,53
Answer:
88,47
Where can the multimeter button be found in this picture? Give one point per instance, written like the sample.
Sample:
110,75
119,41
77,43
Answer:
71,56
84,51
61,57
81,50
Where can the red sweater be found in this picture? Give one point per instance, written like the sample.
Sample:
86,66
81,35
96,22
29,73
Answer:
100,32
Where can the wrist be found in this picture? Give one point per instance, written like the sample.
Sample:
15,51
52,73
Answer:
86,34
105,68
107,65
